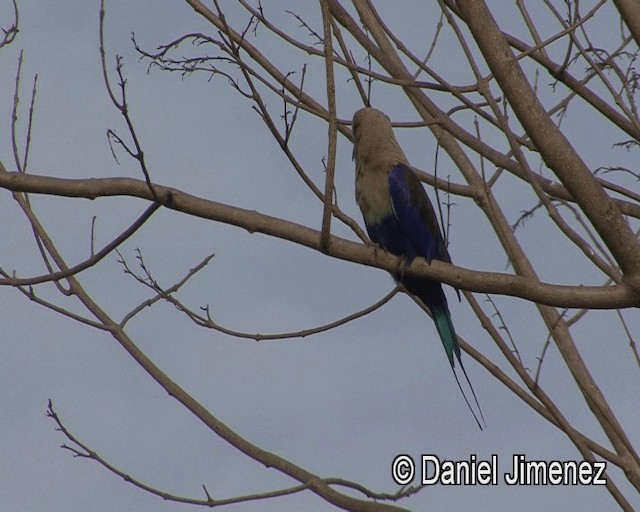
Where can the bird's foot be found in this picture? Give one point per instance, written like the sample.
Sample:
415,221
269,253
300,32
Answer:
376,248
402,267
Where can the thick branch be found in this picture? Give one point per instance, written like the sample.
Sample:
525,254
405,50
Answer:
595,297
630,14
555,149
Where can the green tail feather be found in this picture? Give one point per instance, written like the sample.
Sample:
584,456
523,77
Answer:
442,319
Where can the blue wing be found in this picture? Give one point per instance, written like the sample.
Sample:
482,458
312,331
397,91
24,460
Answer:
415,215
390,235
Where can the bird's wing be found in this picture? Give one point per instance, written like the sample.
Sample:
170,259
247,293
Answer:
415,214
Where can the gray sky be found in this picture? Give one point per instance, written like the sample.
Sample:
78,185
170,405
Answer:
341,403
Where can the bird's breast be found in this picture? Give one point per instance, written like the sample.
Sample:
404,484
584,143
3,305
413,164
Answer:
372,195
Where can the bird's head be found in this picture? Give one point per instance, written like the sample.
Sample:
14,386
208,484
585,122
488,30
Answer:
373,137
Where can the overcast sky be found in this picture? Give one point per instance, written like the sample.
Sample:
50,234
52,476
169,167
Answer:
342,403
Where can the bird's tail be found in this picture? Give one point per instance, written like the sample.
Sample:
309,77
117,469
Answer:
442,319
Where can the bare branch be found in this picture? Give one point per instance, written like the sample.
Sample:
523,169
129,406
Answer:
90,262
617,296
329,190
79,449
11,32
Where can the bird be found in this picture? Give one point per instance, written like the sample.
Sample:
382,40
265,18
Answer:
400,219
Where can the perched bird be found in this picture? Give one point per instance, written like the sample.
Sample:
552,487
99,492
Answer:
400,219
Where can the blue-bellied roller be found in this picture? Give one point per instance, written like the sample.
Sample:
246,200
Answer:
400,219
